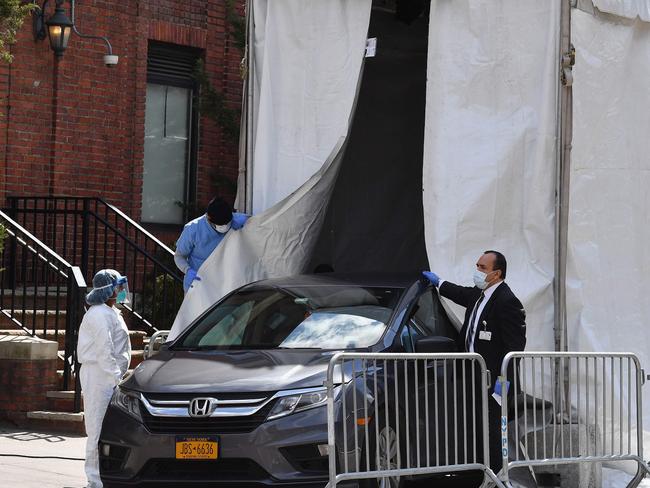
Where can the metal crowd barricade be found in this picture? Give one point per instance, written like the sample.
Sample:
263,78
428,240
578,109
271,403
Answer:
594,406
400,415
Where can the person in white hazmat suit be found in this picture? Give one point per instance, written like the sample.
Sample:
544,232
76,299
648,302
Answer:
104,351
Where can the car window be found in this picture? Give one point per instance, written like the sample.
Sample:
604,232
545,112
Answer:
409,335
431,318
425,314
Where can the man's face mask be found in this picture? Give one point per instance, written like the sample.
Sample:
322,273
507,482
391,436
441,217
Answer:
222,229
481,279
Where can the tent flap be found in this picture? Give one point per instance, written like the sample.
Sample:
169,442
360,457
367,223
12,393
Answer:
490,146
307,60
608,273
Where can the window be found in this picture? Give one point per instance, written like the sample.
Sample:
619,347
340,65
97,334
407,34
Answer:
170,134
431,316
427,319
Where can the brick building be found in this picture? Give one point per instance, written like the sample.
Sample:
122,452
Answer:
132,133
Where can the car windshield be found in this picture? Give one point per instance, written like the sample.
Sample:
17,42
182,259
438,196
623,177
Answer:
305,317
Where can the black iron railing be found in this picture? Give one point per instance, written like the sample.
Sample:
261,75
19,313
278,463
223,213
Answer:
94,235
41,293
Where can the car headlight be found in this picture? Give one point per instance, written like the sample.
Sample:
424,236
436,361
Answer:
289,404
128,402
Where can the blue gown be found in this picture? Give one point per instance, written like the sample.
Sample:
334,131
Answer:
199,239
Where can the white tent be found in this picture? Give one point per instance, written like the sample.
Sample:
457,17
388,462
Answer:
494,166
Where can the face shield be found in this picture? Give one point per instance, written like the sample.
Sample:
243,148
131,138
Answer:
122,287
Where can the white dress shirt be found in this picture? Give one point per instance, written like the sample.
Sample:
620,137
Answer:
487,293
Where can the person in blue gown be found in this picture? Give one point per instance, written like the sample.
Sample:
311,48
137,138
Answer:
202,235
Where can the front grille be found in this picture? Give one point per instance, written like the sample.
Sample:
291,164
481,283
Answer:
188,470
209,425
220,395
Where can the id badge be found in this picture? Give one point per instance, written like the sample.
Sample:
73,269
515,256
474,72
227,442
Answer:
485,335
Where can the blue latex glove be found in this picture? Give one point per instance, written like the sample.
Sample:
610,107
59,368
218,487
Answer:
191,273
432,277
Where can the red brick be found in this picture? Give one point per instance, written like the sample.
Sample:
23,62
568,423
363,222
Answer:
77,128
24,384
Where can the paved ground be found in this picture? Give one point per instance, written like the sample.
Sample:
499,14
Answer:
56,462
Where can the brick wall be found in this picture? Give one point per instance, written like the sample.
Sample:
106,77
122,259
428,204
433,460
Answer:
76,127
24,384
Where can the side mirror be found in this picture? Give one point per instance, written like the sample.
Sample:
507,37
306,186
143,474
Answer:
435,344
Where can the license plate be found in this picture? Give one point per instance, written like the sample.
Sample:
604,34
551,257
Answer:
197,447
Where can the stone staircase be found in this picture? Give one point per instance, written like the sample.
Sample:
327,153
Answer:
59,413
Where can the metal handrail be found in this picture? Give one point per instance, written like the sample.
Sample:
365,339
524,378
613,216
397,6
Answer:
138,226
116,210
46,267
95,234
15,225
145,253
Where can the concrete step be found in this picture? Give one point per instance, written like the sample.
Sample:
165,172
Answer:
49,299
137,337
41,319
67,422
59,375
47,319
61,401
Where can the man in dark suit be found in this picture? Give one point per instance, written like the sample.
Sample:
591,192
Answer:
494,325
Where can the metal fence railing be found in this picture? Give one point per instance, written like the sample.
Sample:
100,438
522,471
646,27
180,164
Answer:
94,235
402,415
48,299
594,402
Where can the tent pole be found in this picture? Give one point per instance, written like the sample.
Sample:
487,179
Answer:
250,65
563,166
563,175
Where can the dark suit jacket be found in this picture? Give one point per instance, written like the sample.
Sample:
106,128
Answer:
503,316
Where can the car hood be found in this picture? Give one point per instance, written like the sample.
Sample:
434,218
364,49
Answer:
230,371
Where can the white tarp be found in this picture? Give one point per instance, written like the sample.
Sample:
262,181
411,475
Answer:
609,224
625,8
490,143
307,61
308,56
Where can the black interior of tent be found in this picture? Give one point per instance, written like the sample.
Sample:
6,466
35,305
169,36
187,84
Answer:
375,220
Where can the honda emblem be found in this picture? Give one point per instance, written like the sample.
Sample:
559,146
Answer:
200,407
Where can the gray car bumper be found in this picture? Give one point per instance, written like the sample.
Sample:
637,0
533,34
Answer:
258,458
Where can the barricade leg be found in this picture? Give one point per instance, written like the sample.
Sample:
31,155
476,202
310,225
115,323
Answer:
642,472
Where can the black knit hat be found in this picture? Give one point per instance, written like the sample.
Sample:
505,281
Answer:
219,211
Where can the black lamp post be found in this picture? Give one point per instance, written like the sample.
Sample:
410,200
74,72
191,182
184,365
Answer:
59,27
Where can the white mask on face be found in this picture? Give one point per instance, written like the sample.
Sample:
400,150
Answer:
479,279
222,229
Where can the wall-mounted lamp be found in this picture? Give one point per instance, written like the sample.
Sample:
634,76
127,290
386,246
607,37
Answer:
59,28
